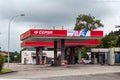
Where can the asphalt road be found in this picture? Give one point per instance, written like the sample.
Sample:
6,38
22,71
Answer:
108,76
70,72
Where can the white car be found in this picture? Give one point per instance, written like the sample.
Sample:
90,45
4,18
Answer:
87,61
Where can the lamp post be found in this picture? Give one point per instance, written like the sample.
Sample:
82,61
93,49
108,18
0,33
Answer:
9,35
0,43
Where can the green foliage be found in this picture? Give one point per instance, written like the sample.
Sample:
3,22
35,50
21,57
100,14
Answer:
118,42
110,40
84,52
1,62
15,57
100,45
6,58
5,70
19,57
88,22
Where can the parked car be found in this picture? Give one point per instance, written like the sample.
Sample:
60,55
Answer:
87,61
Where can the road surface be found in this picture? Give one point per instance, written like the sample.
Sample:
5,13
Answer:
71,72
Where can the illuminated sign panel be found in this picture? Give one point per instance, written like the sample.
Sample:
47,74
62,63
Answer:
82,33
60,33
43,33
48,32
85,33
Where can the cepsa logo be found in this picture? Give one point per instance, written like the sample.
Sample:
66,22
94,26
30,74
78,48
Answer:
39,32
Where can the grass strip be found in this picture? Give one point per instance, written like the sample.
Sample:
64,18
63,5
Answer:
4,70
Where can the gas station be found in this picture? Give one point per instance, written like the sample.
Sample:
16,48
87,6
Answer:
59,40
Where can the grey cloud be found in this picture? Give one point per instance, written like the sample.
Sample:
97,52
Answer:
53,12
46,14
57,11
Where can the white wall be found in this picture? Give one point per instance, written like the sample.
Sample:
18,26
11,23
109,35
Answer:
26,56
29,59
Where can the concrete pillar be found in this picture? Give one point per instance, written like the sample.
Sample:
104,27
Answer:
112,56
41,54
106,58
72,55
63,61
37,56
92,58
62,49
95,59
66,53
45,60
55,52
79,54
70,62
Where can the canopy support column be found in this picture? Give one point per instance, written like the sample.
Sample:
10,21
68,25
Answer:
79,54
55,52
63,61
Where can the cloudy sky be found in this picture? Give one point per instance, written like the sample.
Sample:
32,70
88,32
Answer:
46,14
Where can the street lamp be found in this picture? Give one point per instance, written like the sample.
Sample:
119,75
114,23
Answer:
0,43
9,35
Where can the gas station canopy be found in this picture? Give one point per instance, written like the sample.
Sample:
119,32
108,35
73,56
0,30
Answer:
45,38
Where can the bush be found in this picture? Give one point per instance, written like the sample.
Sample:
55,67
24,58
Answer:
1,61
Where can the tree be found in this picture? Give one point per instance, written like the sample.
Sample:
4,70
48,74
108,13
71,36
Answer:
84,52
1,61
19,57
88,22
100,45
118,42
109,41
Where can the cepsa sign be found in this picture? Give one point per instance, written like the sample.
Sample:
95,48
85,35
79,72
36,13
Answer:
43,32
38,32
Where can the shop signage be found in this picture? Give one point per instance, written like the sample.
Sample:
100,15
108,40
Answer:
43,32
48,32
60,33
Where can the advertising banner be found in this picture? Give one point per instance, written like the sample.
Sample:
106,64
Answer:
82,33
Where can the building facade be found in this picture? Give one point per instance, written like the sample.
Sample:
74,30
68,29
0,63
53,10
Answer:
110,56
